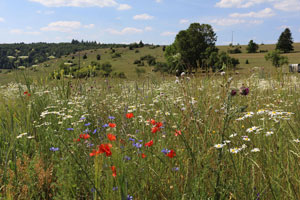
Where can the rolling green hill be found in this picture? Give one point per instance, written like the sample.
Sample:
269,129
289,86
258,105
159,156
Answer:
125,62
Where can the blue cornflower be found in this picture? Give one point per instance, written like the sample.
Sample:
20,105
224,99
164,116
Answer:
175,169
87,124
111,117
70,129
54,149
95,131
105,126
137,145
131,139
82,118
115,188
165,151
129,197
127,158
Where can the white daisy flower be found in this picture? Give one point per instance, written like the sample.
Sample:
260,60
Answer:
268,133
255,150
219,146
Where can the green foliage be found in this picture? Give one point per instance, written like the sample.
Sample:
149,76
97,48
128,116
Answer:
276,59
107,68
116,55
161,67
192,45
98,57
84,56
139,71
285,41
235,49
252,47
150,59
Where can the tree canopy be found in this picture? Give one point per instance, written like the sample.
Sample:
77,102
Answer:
190,47
285,41
252,47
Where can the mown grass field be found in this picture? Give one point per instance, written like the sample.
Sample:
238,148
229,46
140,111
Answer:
125,62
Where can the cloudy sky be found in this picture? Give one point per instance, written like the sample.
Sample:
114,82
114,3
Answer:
152,21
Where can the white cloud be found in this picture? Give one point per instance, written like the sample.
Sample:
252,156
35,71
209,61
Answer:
158,1
47,12
267,12
227,21
288,5
125,31
2,19
62,26
183,21
19,32
124,7
240,3
148,28
89,26
143,17
168,33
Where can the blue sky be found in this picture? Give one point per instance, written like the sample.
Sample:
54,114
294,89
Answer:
152,21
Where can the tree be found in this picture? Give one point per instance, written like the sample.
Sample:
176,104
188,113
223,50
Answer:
252,47
191,44
276,59
285,41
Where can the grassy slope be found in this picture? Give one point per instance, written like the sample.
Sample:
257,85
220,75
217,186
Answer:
125,62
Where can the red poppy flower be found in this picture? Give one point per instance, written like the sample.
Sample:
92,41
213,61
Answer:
129,115
177,132
111,137
149,144
26,92
152,121
155,129
143,155
159,124
171,154
84,136
112,125
93,153
105,148
114,171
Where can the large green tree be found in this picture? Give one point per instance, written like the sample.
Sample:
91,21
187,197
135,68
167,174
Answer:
252,47
285,41
191,47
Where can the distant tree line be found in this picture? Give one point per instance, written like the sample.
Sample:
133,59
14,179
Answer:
21,54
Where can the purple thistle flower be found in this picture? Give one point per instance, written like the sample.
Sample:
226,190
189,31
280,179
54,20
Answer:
244,91
233,92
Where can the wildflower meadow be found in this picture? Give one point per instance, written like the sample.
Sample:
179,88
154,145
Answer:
212,137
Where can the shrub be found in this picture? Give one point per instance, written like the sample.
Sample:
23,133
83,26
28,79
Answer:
116,55
84,56
247,62
98,57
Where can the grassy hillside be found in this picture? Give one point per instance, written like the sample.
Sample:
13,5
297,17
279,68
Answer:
125,62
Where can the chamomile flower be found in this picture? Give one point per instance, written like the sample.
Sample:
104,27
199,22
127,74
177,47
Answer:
255,150
219,146
268,133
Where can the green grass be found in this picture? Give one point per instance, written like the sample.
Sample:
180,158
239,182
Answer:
125,62
201,108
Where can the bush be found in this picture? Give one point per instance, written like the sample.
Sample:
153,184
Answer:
139,71
137,62
247,62
98,57
84,56
116,55
137,51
